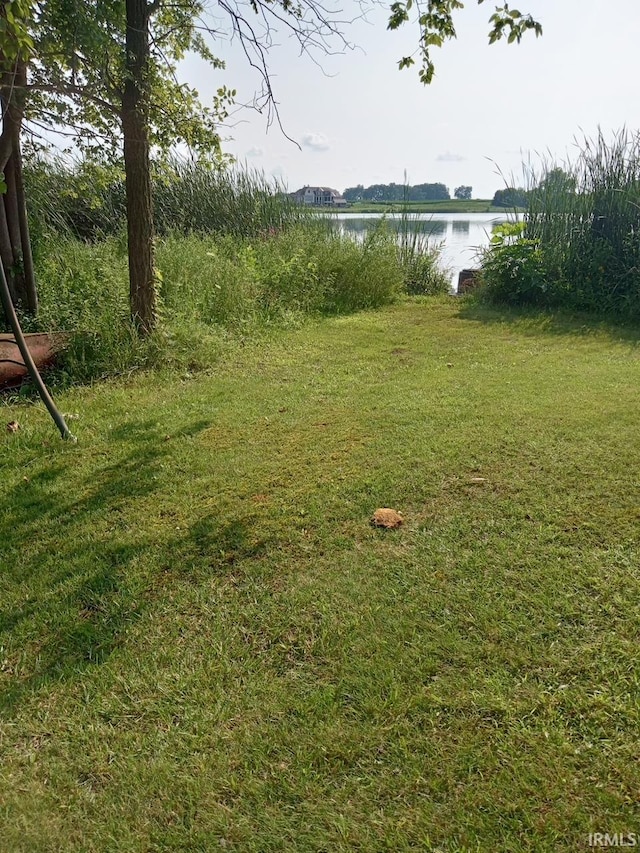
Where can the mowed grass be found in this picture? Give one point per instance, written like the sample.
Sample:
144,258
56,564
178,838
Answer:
206,646
453,205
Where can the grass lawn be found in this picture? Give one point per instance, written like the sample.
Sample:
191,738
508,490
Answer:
454,205
204,645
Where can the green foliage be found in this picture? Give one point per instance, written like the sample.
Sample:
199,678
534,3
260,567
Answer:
84,288
86,199
235,255
77,79
436,23
510,197
463,193
16,39
513,268
580,245
208,285
81,198
420,259
193,197
305,270
424,274
397,193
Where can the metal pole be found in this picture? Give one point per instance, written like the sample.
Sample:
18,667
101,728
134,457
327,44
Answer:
12,318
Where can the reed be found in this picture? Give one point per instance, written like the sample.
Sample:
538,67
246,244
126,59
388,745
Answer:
86,200
419,254
192,198
581,241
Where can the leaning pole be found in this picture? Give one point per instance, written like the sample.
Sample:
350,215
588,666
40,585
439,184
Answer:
12,318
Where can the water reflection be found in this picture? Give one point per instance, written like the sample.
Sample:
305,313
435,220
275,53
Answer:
462,236
461,227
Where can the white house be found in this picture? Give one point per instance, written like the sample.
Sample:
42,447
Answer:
319,197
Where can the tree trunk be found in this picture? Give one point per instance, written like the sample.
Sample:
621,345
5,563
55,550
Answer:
135,129
15,245
6,254
30,289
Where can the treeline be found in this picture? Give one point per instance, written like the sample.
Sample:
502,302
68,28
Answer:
397,192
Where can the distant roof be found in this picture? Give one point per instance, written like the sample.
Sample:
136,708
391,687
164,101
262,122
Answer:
321,189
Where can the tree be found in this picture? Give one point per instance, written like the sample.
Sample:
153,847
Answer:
463,193
353,193
556,181
15,245
510,197
397,193
110,75
104,68
15,47
429,192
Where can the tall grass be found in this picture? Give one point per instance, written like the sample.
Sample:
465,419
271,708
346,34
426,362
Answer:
234,253
82,199
420,258
581,241
210,286
191,198
87,199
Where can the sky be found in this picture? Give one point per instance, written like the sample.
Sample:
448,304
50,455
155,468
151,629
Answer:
357,119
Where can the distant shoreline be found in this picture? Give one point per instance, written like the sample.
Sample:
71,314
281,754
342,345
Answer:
452,206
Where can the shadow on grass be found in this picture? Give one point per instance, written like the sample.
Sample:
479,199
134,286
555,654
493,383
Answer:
539,321
80,559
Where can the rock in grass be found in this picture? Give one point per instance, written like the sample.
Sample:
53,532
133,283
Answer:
385,517
13,426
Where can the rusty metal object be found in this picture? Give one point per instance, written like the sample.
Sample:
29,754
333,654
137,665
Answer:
468,280
43,346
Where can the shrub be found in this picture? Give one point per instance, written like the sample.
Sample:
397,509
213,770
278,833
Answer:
358,274
580,245
514,269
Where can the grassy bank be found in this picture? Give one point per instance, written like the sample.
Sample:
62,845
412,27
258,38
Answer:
452,206
213,287
234,256
205,645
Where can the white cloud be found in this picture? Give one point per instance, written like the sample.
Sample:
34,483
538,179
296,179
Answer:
315,142
449,157
255,151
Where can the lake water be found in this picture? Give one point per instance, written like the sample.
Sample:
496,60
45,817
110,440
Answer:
461,235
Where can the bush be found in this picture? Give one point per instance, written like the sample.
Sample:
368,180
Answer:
84,289
419,258
424,275
513,268
579,246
